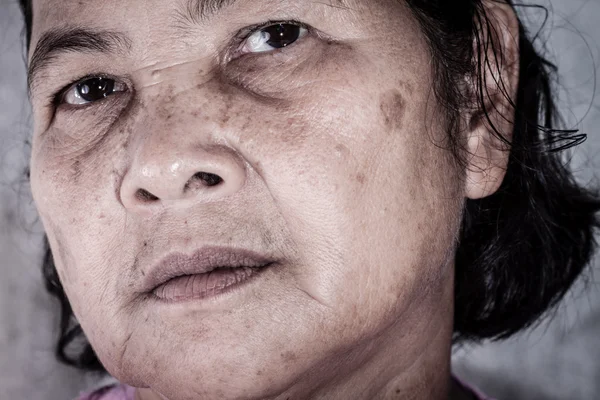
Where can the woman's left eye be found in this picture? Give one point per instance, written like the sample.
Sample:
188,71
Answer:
273,37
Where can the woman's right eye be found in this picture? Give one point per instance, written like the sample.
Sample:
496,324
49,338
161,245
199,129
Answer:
91,90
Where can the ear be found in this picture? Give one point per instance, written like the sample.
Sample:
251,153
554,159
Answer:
494,90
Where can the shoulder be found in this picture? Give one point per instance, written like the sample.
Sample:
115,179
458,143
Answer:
112,392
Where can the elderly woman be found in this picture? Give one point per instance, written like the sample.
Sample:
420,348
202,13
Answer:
276,199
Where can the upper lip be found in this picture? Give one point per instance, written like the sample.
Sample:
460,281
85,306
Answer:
201,261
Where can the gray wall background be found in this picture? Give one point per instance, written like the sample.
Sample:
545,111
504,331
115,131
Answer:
559,359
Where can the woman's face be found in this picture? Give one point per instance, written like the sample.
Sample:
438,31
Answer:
331,162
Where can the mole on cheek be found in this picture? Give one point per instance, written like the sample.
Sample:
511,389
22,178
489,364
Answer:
392,108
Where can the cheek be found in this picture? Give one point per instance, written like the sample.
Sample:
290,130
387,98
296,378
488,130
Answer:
374,202
73,173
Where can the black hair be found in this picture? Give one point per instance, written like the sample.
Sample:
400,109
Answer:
520,249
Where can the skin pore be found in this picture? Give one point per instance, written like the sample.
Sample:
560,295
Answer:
332,157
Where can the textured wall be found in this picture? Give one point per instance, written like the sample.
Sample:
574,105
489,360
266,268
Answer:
558,360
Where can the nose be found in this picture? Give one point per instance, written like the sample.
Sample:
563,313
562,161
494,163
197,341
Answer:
179,170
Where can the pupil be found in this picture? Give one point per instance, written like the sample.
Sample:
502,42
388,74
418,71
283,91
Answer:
282,35
95,89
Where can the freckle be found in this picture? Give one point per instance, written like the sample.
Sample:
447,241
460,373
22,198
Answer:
289,356
361,178
145,244
143,273
246,124
225,119
341,150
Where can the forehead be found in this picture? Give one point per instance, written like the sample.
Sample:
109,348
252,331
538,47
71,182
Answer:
88,11
148,20
106,14
137,16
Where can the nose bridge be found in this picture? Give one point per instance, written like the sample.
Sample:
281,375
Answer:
177,156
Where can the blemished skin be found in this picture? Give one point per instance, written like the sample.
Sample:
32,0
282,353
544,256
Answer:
333,160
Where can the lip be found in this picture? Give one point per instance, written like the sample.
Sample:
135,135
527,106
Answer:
202,261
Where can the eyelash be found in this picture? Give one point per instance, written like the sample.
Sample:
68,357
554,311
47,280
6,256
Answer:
58,97
243,35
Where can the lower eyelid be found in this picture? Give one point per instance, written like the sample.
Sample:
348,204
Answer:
109,101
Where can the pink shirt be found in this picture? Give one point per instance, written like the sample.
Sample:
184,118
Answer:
124,392
118,392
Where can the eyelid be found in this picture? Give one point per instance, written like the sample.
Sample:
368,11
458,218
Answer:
245,33
57,99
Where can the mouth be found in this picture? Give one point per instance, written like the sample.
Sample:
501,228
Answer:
208,272
209,284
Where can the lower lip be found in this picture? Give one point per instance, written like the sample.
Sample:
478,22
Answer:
204,286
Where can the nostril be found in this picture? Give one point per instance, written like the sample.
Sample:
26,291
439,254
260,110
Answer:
209,179
145,196
204,179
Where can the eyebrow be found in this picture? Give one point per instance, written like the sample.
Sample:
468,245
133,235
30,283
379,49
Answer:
64,40
199,10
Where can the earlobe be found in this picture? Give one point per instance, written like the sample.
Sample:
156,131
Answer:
489,126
